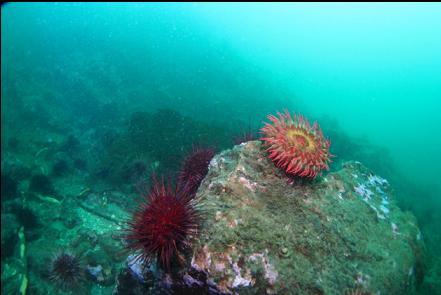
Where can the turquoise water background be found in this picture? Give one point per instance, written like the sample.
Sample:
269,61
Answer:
369,71
375,68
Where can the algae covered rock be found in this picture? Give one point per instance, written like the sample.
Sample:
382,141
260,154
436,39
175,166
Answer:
266,234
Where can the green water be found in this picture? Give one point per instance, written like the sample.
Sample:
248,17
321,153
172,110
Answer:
369,73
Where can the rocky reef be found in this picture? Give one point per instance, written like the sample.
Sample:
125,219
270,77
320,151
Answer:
262,232
267,234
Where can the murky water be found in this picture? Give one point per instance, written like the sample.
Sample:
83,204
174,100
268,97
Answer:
100,96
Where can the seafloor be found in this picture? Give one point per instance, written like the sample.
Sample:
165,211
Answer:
71,185
61,191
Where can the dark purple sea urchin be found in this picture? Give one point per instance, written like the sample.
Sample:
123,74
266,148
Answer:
66,271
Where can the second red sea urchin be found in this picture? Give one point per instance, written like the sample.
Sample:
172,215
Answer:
164,225
195,168
296,146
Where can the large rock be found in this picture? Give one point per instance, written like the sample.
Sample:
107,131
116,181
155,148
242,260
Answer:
264,234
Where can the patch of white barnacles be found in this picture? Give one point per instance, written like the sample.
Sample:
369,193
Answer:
371,191
248,184
214,163
239,280
271,273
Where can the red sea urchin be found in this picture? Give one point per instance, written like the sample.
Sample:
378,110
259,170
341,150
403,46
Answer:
195,168
296,146
164,225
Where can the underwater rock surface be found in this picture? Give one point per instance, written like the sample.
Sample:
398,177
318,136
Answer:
265,234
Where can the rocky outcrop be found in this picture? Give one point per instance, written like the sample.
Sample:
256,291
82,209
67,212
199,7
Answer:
267,234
